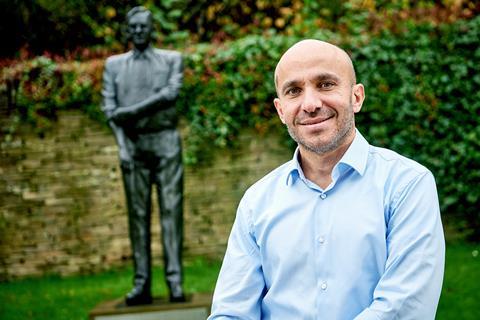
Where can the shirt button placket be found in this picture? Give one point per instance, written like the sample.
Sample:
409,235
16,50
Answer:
321,240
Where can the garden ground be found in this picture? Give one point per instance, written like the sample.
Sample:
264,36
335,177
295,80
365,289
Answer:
54,297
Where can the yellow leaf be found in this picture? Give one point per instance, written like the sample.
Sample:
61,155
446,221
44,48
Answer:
267,22
110,12
279,22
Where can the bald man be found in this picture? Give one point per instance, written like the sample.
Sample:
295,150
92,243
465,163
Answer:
344,230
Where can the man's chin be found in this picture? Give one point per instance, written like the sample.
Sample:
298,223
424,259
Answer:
315,146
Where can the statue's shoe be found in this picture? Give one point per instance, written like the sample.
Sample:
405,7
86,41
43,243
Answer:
138,296
176,293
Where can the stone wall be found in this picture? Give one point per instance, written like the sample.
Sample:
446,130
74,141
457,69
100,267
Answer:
62,206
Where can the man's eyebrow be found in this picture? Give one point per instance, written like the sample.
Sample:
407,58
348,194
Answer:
327,76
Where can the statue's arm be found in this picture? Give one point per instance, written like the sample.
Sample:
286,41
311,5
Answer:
108,90
109,106
166,94
125,145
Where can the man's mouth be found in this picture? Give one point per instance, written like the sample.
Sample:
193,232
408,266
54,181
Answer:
314,121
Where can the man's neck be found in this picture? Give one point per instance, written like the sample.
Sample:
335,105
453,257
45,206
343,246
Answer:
318,167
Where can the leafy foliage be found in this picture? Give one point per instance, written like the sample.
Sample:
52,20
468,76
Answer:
421,81
42,86
65,28
422,101
61,26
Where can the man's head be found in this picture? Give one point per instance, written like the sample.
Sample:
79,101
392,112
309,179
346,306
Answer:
140,27
318,95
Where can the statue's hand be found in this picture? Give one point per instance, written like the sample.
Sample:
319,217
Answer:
119,116
109,113
125,155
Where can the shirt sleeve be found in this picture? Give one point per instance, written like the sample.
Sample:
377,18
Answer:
411,284
240,285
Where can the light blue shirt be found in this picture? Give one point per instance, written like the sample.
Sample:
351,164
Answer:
369,246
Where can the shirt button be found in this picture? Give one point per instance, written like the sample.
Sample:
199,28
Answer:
323,286
321,240
323,196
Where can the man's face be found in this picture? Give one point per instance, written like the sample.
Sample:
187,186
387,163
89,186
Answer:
317,99
140,29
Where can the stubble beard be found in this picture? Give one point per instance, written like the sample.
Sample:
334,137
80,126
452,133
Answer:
345,128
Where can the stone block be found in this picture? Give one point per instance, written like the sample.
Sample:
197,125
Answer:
197,307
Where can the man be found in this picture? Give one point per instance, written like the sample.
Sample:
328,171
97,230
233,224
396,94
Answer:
344,230
139,90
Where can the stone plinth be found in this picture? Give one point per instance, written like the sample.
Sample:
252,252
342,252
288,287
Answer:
197,307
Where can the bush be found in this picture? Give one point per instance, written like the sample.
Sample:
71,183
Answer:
64,27
422,98
423,101
227,88
41,86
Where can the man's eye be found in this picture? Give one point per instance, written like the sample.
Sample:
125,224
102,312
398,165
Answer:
326,85
293,91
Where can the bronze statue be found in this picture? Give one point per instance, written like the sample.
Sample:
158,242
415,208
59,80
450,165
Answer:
139,92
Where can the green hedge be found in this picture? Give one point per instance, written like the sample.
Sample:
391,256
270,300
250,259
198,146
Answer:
423,99
66,27
421,84
40,87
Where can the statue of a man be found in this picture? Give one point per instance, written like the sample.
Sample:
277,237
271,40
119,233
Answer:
139,92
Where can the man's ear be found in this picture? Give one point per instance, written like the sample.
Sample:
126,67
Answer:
278,106
358,96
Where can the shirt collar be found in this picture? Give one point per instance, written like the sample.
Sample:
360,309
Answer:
294,170
355,157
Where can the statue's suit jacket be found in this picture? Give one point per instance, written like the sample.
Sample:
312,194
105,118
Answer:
164,72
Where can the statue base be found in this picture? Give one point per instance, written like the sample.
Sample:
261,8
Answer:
196,307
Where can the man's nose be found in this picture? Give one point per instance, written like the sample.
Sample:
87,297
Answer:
311,100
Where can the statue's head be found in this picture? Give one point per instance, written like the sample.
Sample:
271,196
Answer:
139,27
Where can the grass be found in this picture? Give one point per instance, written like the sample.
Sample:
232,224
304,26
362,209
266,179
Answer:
53,297
461,285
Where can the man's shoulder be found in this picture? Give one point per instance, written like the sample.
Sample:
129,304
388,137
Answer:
393,159
396,170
